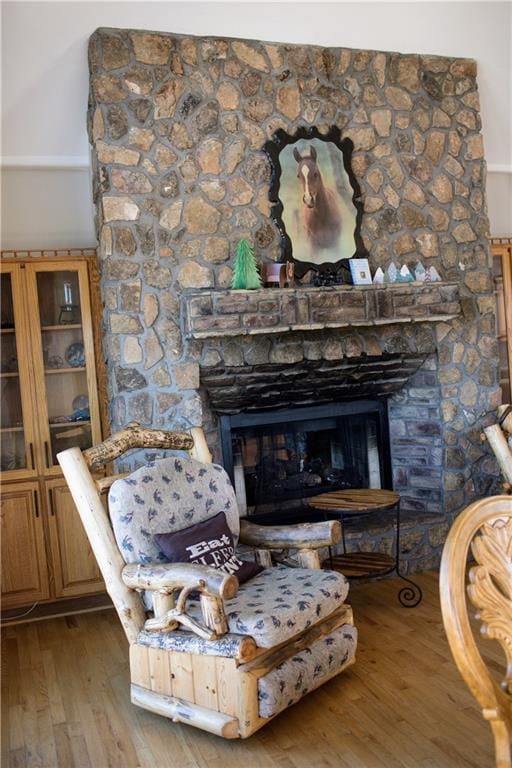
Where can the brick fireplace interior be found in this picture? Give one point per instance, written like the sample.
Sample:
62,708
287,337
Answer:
178,126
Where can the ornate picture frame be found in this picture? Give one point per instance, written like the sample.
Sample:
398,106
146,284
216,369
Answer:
316,201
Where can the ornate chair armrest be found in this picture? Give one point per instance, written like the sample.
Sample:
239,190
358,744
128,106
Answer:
301,536
164,580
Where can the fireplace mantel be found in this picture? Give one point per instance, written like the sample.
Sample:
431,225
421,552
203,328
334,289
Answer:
210,313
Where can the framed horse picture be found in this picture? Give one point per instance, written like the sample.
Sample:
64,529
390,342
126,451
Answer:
316,202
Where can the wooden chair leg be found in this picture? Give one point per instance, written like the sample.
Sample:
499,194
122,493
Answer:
502,744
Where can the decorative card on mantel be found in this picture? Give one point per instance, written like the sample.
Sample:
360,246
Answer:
360,271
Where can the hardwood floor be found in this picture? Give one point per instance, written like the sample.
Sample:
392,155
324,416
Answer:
403,703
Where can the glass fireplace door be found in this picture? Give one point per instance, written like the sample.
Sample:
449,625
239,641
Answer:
280,459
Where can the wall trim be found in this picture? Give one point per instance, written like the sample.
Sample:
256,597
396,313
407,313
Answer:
47,162
499,168
82,163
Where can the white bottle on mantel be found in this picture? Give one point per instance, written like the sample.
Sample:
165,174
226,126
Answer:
239,477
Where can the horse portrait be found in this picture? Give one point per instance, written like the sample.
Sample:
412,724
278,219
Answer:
321,215
317,199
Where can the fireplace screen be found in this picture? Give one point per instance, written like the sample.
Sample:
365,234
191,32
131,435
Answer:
277,460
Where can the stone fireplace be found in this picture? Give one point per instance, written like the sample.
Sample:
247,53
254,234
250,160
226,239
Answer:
177,126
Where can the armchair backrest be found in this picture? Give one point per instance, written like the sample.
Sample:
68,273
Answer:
166,496
78,468
485,527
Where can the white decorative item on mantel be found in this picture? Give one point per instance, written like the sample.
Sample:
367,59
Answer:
360,271
432,275
378,278
419,272
404,276
391,273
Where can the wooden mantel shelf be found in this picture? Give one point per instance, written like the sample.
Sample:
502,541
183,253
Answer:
210,313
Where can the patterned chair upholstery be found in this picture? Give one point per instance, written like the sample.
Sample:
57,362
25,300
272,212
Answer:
174,493
280,635
165,496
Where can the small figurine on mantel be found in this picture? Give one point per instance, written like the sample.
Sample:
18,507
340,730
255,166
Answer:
245,272
420,273
278,275
404,275
432,275
391,273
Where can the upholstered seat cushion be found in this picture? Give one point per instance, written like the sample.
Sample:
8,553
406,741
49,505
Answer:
306,670
281,602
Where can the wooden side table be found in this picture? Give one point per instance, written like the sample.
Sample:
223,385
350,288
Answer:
359,502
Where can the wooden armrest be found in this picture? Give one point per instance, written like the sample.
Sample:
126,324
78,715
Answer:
169,577
135,436
302,536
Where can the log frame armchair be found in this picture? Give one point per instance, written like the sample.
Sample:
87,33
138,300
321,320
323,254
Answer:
485,529
220,662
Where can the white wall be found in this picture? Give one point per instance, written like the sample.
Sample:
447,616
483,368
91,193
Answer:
45,82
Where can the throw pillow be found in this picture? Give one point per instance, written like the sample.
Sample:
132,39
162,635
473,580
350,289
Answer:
208,543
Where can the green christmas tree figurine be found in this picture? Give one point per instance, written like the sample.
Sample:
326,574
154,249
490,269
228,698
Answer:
245,274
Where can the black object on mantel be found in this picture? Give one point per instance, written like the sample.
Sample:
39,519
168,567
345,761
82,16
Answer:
341,275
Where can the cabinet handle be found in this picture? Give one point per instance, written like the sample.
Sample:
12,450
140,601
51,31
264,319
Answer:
36,502
31,449
52,508
47,455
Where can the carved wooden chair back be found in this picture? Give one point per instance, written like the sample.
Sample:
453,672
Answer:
485,528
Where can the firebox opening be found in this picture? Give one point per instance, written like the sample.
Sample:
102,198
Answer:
279,459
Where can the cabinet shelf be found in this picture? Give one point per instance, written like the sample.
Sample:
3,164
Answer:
10,429
10,375
69,424
55,371
7,330
62,327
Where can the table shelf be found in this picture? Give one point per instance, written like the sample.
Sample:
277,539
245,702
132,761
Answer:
358,565
350,504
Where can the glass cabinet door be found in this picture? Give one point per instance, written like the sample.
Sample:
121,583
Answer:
16,424
66,359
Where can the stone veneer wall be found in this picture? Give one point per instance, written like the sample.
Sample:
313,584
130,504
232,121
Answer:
177,126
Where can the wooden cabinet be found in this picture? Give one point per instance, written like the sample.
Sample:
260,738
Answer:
49,402
24,572
75,569
501,248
